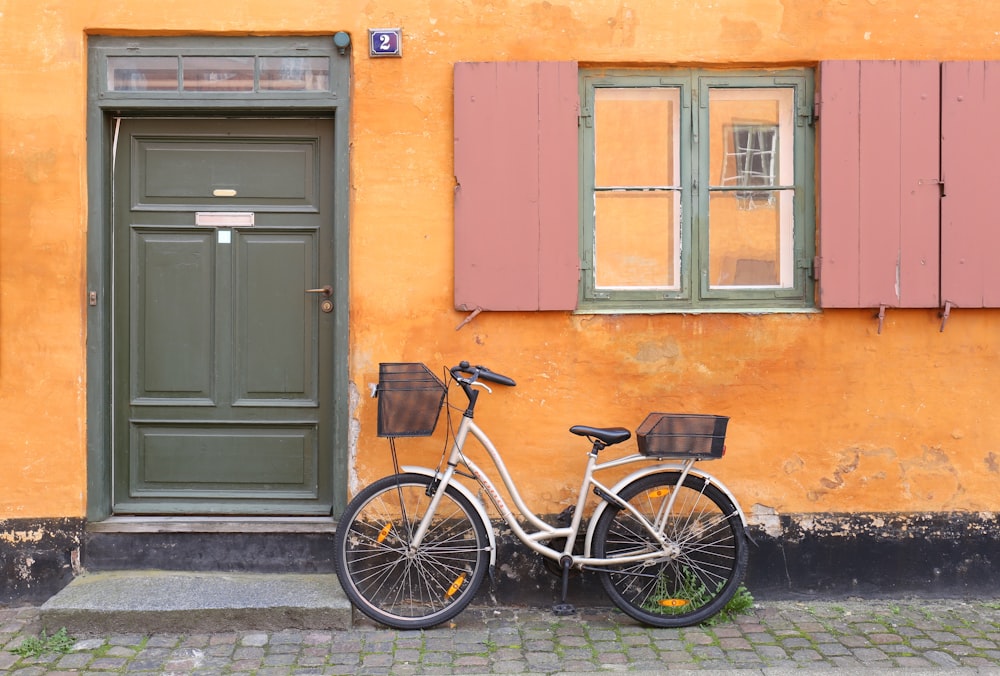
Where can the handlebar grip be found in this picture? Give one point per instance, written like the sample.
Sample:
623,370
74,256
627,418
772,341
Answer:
483,373
497,378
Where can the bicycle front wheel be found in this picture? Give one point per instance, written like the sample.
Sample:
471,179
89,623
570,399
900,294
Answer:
704,562
400,587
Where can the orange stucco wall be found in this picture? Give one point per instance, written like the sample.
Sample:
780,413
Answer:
828,416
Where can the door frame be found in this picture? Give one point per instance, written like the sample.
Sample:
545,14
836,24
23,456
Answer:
103,106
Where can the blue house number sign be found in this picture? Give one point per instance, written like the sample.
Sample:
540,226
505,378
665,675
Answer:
385,41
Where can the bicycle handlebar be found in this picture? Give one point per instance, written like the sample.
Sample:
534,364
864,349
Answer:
480,373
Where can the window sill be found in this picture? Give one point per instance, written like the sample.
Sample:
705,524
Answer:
693,311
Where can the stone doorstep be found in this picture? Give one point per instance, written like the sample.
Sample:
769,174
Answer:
150,601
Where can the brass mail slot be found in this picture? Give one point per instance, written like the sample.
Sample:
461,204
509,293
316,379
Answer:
224,219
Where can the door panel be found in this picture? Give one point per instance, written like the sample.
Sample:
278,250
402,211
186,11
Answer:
222,359
183,461
171,312
264,173
276,361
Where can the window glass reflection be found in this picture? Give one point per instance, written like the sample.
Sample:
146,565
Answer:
142,73
218,73
294,73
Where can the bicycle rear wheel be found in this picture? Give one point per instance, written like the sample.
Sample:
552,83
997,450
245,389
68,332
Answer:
399,588
705,563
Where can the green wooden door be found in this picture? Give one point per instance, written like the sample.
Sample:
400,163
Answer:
222,371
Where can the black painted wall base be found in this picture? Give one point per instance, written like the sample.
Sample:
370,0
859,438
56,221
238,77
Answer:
808,556
257,552
814,556
38,557
878,555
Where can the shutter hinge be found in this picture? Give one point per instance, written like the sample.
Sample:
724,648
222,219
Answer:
945,313
933,181
585,119
814,268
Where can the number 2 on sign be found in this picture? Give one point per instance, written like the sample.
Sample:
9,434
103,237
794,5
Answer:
385,42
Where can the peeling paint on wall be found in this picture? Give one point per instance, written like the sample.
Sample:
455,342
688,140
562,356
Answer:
866,465
37,557
22,536
353,486
766,518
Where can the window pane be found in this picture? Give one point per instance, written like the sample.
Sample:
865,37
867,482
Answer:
751,247
636,243
750,136
294,73
635,136
142,73
218,73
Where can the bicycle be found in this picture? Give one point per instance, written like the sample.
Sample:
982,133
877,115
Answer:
668,541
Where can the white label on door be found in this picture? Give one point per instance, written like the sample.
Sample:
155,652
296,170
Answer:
224,219
225,236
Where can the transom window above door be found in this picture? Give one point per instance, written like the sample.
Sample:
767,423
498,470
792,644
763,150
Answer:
697,190
202,68
218,73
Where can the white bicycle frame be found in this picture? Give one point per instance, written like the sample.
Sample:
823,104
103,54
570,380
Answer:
545,531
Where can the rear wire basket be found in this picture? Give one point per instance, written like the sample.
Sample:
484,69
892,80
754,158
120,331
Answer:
683,435
409,400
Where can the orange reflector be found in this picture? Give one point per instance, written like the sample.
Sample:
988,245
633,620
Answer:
384,532
673,603
658,492
454,586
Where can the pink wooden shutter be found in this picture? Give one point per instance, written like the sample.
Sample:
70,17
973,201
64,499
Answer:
878,183
516,223
970,153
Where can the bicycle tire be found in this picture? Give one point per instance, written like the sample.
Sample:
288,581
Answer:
697,579
388,584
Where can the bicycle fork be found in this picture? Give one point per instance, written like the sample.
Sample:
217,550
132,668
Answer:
441,485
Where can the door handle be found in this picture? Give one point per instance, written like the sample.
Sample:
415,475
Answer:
327,291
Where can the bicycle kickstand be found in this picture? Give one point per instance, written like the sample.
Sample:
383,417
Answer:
562,608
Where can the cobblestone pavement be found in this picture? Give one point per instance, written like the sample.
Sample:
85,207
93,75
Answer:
903,636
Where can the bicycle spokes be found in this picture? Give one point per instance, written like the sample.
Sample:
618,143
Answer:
395,582
696,553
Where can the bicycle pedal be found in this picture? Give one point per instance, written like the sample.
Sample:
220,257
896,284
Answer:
563,609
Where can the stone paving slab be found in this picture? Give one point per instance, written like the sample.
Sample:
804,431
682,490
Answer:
173,601
774,638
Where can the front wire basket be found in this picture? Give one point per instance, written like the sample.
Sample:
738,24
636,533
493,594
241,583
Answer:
682,435
409,400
